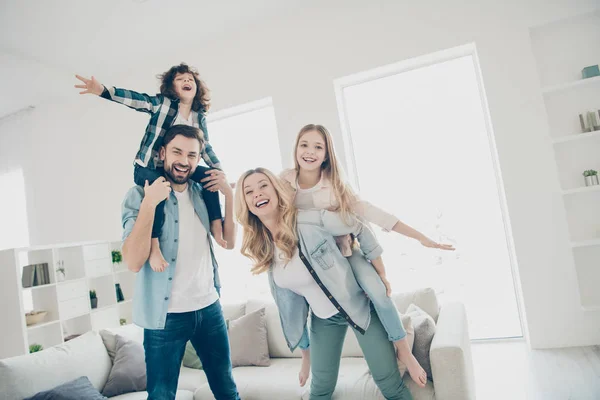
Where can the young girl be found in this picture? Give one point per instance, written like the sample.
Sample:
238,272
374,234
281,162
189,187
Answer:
317,181
183,99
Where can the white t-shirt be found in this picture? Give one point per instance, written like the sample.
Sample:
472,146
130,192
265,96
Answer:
305,199
193,283
295,277
182,121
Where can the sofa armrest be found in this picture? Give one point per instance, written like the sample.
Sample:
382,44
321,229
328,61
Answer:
451,362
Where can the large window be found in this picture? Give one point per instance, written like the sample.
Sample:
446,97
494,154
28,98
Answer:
243,137
420,146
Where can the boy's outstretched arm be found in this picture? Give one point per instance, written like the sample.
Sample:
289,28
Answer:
137,101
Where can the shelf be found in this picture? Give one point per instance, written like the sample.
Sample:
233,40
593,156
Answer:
586,243
40,286
571,85
577,136
584,189
124,301
36,326
95,310
100,276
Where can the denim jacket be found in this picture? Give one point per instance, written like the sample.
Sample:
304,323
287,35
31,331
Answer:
316,230
153,289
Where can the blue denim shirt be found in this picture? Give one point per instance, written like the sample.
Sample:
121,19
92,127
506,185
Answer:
330,269
153,289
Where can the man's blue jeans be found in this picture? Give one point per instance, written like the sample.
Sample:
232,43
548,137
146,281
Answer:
164,348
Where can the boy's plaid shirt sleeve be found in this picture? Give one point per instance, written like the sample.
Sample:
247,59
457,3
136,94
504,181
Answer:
138,101
208,154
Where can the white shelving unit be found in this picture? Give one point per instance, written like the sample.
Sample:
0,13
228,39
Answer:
562,49
88,266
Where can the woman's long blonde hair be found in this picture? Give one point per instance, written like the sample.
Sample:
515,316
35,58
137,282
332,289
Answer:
258,243
332,170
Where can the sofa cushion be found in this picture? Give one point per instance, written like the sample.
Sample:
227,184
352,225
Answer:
180,395
424,327
278,381
190,357
426,299
233,310
129,331
247,340
355,382
191,379
77,389
128,373
82,356
277,344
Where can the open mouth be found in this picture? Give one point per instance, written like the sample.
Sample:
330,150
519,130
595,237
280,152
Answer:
187,87
309,159
262,203
182,170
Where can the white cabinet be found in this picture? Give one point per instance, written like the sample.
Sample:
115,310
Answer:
65,299
562,49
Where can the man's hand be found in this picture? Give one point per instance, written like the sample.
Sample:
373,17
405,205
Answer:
91,86
217,181
158,191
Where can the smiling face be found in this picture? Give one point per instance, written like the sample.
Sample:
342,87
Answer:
311,151
260,195
180,156
185,86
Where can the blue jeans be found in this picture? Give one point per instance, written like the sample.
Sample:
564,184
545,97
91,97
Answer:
164,349
326,342
371,283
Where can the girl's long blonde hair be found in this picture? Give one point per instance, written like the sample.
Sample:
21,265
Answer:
258,243
332,170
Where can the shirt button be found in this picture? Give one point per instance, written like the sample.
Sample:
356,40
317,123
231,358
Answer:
172,259
175,240
176,221
170,278
166,298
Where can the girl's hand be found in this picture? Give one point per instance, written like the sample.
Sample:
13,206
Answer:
90,85
388,286
434,245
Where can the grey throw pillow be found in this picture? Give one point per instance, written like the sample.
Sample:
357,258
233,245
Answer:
128,373
80,388
247,340
424,327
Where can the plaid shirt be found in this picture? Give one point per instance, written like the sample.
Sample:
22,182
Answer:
163,113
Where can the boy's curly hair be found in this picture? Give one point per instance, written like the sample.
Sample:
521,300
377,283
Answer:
202,98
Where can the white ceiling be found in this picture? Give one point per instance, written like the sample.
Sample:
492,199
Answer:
43,43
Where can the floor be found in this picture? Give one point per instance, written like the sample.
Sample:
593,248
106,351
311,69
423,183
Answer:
509,370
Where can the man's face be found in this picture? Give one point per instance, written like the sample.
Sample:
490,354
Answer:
180,157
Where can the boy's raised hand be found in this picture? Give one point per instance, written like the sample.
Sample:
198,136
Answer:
91,86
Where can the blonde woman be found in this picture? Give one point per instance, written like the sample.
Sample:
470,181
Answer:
297,249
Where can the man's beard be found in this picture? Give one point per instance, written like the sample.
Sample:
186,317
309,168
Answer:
177,179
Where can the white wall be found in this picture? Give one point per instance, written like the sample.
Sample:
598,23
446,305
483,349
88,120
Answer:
77,164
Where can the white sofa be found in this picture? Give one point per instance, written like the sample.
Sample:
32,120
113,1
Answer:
450,354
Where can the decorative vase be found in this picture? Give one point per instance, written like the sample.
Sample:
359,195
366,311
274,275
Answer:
120,296
94,302
591,180
60,276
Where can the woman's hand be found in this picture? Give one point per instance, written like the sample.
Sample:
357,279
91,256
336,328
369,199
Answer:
91,86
